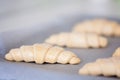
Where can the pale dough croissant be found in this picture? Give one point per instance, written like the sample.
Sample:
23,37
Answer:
77,40
99,26
117,53
40,53
106,67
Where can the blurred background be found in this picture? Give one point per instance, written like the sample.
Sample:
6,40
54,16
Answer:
26,13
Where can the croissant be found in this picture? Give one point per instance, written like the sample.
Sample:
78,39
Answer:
117,53
77,40
105,67
99,26
40,53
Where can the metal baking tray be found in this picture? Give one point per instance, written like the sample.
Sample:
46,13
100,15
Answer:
30,71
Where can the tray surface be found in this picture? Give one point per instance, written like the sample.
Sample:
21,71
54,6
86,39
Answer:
29,71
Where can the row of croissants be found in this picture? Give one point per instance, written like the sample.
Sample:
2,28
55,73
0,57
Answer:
88,34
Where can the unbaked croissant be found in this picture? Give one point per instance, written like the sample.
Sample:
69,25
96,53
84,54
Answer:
99,26
77,40
40,53
106,67
117,53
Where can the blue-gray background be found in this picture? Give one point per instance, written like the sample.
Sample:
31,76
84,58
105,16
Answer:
26,13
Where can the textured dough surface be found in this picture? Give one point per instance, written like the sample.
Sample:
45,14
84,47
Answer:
41,53
99,26
77,40
106,66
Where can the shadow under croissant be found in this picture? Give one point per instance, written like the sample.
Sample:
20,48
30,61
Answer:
33,62
102,76
81,47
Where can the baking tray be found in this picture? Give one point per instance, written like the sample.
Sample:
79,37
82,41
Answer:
30,71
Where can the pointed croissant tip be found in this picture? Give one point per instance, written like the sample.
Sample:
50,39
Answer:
103,42
83,71
75,60
8,57
47,40
117,53
117,31
118,49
